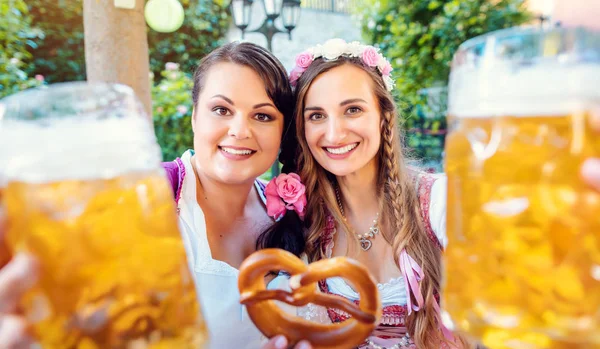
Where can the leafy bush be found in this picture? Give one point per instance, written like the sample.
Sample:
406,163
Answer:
205,25
59,52
172,111
16,36
420,37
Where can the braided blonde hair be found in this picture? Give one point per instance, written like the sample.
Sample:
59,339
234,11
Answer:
397,194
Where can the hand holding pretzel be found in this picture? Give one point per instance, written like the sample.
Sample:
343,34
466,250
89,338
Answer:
272,320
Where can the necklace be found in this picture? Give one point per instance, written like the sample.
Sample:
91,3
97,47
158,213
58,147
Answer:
363,239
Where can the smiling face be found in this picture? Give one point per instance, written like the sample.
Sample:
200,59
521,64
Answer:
237,128
342,120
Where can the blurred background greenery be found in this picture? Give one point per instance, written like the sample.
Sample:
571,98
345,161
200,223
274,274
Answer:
419,37
41,42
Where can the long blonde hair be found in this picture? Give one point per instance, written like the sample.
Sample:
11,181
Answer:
399,202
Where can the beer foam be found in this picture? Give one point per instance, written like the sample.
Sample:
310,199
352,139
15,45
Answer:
56,149
550,88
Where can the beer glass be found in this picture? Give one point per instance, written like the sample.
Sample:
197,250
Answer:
86,195
523,260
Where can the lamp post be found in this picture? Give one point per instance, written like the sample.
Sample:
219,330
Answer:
289,10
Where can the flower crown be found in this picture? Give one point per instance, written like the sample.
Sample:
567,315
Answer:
334,48
285,192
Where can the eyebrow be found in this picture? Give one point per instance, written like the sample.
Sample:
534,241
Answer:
228,100
344,103
313,109
260,105
352,100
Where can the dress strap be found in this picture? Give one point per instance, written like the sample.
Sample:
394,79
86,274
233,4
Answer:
260,188
424,183
175,174
326,239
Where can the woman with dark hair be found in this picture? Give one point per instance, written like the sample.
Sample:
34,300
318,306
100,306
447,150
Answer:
242,110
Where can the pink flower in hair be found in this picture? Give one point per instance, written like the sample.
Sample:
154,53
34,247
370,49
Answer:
387,69
370,56
303,60
295,75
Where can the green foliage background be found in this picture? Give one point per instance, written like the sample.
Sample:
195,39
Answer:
17,37
205,25
420,37
172,112
44,39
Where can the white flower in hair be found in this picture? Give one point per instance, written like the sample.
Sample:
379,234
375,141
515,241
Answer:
389,82
381,63
355,49
316,51
334,48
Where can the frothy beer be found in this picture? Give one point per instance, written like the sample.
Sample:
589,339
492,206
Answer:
523,259
87,197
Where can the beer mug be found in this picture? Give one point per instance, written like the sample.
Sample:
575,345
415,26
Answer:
523,259
86,195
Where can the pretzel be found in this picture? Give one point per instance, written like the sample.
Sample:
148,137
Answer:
271,320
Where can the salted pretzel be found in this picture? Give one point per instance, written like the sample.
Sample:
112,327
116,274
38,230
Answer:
271,320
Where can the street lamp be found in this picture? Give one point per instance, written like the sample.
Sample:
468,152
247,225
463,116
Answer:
241,11
290,13
288,9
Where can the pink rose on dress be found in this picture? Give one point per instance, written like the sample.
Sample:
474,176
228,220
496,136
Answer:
370,56
387,69
303,60
295,75
285,192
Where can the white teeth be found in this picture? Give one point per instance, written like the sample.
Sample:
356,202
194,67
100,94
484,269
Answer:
342,150
237,151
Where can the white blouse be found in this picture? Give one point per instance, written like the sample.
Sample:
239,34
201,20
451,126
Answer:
216,282
393,292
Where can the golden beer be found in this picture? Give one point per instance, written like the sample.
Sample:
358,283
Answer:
523,257
101,221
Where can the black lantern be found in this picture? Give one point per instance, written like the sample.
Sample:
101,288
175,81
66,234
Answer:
288,9
241,11
290,13
272,8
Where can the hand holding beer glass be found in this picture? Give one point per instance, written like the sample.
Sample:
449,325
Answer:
86,196
523,259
